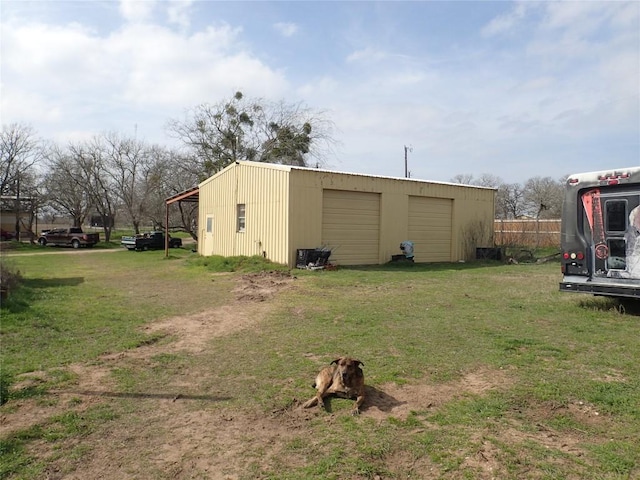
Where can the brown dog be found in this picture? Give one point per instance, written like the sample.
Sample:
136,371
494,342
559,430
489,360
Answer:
343,378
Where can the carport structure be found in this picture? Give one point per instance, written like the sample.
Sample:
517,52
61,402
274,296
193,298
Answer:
191,195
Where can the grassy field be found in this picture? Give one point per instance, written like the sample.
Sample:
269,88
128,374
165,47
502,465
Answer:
473,371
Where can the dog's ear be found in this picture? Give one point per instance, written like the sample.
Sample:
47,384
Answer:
335,361
358,362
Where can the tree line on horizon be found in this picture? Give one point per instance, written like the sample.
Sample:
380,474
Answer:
120,178
538,198
123,179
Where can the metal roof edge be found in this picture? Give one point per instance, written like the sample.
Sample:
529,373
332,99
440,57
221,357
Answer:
289,168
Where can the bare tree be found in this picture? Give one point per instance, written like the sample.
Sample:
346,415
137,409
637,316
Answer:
64,187
25,201
19,152
178,174
293,134
488,180
215,133
134,174
94,176
510,201
543,197
463,179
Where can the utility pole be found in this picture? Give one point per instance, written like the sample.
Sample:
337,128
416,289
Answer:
408,149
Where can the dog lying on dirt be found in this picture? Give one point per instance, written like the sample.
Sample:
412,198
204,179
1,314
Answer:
342,378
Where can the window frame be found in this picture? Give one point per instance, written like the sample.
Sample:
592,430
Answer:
241,217
609,215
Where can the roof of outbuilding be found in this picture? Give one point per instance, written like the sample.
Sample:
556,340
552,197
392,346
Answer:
289,168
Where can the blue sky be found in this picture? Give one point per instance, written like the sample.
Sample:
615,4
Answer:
514,89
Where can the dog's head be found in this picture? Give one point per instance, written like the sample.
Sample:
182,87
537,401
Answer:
347,367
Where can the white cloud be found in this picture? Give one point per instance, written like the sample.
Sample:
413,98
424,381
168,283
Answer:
178,12
322,88
84,78
582,66
286,29
507,22
56,56
583,17
567,74
137,10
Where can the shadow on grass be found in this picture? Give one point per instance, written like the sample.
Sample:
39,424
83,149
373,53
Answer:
424,267
162,396
624,306
374,397
52,282
380,399
20,300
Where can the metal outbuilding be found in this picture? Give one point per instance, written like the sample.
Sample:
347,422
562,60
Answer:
252,208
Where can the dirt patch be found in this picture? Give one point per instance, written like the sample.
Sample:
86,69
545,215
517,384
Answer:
399,400
258,287
175,437
190,333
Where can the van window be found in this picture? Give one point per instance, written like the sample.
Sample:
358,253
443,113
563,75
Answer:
616,215
617,259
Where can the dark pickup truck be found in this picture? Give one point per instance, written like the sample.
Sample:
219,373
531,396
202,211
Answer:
69,237
149,241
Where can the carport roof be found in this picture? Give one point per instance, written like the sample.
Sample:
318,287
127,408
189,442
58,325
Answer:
191,195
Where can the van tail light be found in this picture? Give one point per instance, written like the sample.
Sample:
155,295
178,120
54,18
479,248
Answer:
573,255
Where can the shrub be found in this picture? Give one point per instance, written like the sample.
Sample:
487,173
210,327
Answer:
9,278
244,264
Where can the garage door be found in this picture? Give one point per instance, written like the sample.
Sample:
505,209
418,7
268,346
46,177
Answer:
430,228
351,226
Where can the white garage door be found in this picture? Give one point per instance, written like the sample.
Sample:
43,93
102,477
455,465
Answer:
351,226
430,228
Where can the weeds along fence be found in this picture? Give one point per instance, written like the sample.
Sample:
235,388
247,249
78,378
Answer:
531,232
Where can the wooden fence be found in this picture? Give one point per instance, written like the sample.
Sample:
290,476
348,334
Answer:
530,233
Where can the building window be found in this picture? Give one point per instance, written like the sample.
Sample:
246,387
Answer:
209,224
241,217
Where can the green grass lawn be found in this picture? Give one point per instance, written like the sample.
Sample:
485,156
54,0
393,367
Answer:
560,366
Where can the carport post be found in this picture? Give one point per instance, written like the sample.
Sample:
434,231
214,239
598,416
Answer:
191,196
166,229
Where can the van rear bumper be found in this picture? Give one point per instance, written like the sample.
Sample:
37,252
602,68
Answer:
606,287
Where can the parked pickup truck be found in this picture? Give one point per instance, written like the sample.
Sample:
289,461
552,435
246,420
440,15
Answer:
5,235
149,241
70,237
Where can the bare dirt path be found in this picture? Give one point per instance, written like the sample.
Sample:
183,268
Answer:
178,439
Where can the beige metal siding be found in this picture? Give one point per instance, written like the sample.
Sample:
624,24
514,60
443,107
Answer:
470,206
364,217
430,228
264,192
351,226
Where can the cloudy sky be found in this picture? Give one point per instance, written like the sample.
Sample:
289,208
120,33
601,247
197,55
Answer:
515,89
